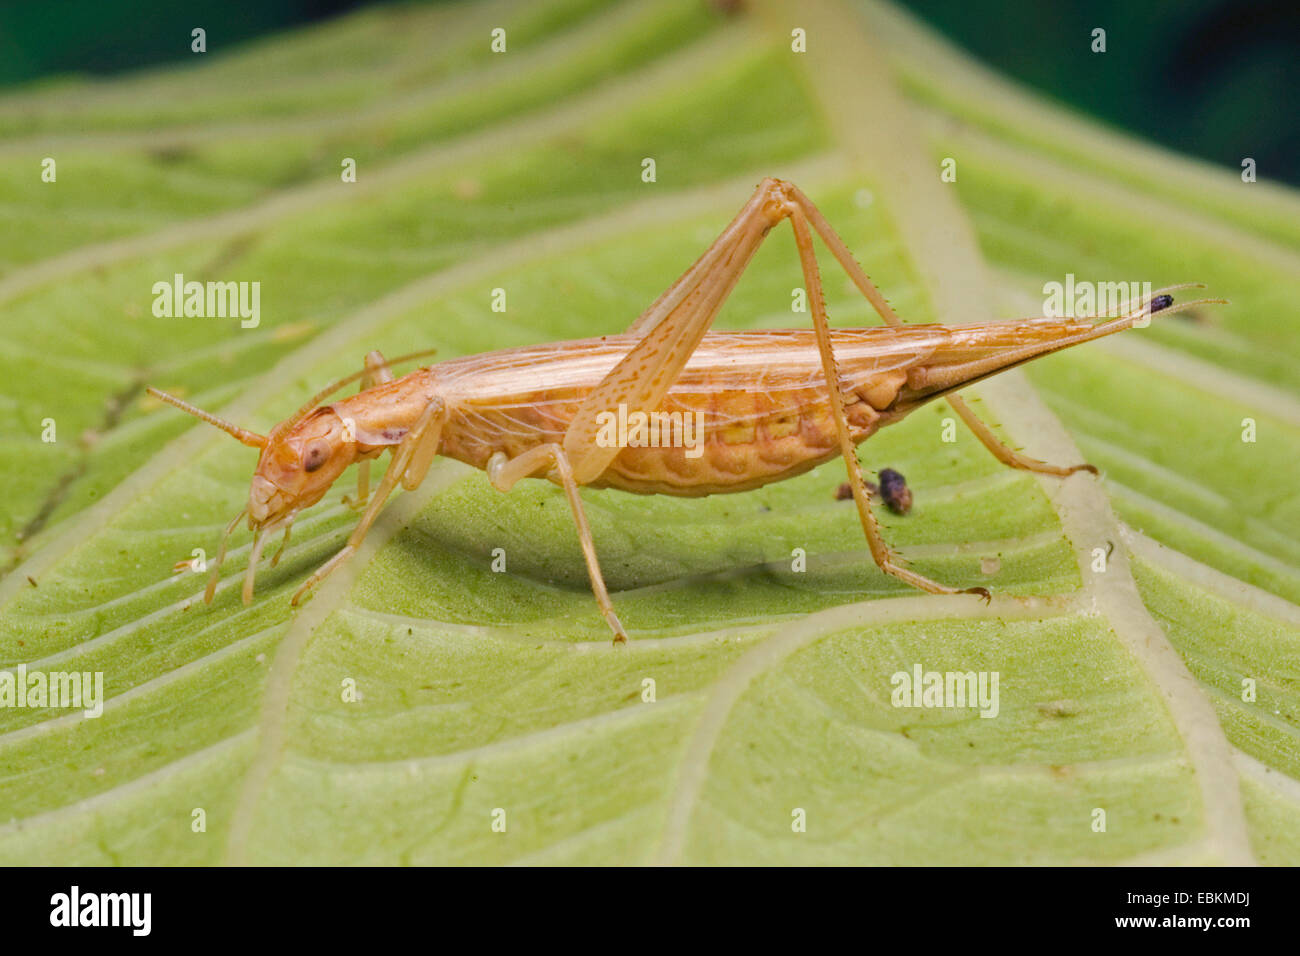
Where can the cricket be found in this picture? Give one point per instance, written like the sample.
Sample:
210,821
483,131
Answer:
773,403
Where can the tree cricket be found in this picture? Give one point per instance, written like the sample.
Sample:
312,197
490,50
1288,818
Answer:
773,403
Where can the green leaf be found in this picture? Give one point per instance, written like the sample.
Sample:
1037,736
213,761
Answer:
1123,690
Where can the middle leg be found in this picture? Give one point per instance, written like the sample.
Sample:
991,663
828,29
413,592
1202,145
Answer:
503,472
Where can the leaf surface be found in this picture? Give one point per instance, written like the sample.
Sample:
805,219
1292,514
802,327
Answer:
480,692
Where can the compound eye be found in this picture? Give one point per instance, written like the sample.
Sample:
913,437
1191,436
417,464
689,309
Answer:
317,453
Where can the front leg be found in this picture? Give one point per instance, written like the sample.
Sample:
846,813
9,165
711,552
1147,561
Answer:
420,444
378,372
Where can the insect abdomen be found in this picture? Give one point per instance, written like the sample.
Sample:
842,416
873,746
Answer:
749,408
747,440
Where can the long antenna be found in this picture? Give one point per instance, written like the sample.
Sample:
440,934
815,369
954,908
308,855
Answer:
243,434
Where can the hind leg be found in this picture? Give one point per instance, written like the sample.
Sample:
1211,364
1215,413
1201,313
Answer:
880,551
988,438
1003,452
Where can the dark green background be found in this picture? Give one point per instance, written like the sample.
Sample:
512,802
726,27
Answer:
1214,78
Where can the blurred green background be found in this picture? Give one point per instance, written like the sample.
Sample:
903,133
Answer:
1218,79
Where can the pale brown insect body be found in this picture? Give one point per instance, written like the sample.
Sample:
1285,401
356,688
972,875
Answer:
766,411
769,404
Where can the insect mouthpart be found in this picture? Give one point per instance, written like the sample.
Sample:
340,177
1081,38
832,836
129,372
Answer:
262,495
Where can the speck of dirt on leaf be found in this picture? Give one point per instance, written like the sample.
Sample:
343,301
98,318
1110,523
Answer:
1059,708
894,491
